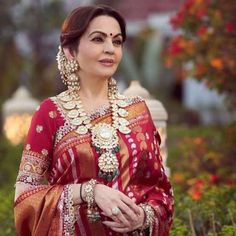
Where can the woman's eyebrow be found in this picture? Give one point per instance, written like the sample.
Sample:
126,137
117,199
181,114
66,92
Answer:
104,34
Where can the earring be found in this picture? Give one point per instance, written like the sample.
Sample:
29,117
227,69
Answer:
68,69
112,88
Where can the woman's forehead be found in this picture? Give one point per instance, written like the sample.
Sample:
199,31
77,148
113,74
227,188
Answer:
103,23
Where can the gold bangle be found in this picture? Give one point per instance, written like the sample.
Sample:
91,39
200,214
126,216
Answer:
92,211
149,216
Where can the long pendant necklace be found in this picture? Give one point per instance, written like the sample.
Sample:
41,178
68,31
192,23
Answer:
104,136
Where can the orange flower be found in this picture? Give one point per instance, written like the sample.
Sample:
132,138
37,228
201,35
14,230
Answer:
196,195
190,47
199,2
217,63
177,45
198,140
178,178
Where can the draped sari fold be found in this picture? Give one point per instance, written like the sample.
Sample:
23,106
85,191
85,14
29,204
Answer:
36,211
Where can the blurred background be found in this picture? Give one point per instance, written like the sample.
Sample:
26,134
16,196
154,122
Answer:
183,52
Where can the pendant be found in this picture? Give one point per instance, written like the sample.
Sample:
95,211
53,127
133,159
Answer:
108,162
104,136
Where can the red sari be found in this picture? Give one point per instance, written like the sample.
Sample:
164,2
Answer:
55,152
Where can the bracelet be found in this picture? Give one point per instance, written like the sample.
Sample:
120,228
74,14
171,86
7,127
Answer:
149,216
92,211
80,192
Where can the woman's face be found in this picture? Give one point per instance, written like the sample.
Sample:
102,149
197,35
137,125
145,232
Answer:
100,48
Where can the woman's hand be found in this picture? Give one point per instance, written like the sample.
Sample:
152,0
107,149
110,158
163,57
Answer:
129,214
136,223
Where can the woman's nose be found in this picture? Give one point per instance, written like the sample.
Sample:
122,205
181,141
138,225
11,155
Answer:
108,47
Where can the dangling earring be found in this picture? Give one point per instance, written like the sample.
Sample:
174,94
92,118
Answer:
68,69
112,88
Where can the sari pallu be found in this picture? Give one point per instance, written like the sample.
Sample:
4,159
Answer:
70,158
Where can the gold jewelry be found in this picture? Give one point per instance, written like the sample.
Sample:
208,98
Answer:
92,211
104,136
149,216
68,69
112,88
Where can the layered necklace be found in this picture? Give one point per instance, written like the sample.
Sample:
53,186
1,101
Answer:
104,136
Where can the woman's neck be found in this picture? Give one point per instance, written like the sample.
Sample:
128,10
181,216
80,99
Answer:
91,89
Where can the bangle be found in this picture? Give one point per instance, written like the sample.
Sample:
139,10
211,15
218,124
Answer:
149,216
80,192
92,211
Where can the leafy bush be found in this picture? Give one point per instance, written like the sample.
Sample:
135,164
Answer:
206,39
6,213
9,162
10,157
202,160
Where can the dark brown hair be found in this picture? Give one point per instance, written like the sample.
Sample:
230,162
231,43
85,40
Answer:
78,20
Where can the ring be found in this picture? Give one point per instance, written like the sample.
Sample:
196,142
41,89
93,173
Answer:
115,211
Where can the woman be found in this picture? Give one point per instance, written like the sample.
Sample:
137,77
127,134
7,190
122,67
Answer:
98,150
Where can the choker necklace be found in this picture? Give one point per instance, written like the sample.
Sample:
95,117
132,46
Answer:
104,136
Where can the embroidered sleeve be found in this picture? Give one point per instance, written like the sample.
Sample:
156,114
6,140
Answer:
38,148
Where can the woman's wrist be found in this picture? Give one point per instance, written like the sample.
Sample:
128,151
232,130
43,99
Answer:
88,195
77,191
149,215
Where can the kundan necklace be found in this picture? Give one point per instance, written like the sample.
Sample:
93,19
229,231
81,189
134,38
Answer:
104,136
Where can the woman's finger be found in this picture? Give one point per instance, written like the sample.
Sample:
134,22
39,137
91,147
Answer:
116,226
121,230
127,211
121,218
113,224
131,204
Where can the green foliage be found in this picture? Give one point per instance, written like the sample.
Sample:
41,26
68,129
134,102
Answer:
6,213
9,163
202,160
228,230
179,228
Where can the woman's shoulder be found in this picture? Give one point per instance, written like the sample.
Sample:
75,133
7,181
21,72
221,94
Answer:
46,105
46,108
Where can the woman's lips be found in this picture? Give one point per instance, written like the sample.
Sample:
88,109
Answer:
107,62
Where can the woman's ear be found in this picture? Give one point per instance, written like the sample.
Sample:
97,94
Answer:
69,55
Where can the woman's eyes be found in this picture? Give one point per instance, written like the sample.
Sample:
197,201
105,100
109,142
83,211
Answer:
116,42
97,39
